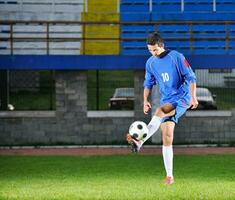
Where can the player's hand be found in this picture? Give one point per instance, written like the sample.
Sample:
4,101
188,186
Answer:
194,103
147,107
128,138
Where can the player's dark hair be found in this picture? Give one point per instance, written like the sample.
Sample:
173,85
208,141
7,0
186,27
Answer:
154,38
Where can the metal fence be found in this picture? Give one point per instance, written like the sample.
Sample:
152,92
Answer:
215,91
101,86
66,37
35,90
29,90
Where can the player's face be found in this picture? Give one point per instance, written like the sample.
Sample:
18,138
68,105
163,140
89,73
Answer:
155,50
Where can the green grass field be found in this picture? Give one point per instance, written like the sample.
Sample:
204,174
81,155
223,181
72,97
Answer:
121,177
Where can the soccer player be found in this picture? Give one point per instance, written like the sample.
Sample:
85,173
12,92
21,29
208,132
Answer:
177,85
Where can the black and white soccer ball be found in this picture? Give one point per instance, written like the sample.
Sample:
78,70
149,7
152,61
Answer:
138,130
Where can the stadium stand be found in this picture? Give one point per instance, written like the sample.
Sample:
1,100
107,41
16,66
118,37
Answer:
40,10
30,38
205,30
65,37
25,34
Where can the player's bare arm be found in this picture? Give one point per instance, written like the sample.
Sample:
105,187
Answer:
194,102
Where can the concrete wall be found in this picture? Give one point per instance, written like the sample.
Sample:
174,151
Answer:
71,123
207,127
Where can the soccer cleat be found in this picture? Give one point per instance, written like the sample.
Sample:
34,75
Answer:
135,145
168,180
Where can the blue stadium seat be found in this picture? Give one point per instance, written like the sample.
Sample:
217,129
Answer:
134,6
225,5
135,52
214,47
135,17
209,30
181,46
173,28
198,6
192,16
177,30
135,44
166,2
208,51
166,6
231,28
136,31
231,45
134,48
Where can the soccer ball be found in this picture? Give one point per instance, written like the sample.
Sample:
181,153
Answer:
138,130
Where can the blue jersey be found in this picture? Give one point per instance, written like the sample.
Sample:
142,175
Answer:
172,73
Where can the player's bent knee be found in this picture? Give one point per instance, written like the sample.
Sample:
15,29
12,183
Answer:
163,112
159,112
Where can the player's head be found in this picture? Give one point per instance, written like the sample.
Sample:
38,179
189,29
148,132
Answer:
155,44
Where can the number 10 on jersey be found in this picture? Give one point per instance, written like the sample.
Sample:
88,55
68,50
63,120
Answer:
165,77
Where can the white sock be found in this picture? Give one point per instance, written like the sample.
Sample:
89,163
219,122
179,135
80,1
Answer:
167,152
152,127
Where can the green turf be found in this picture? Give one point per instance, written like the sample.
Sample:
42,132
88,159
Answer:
136,177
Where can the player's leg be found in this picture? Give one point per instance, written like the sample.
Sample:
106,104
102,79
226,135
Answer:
161,112
167,129
170,111
164,111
